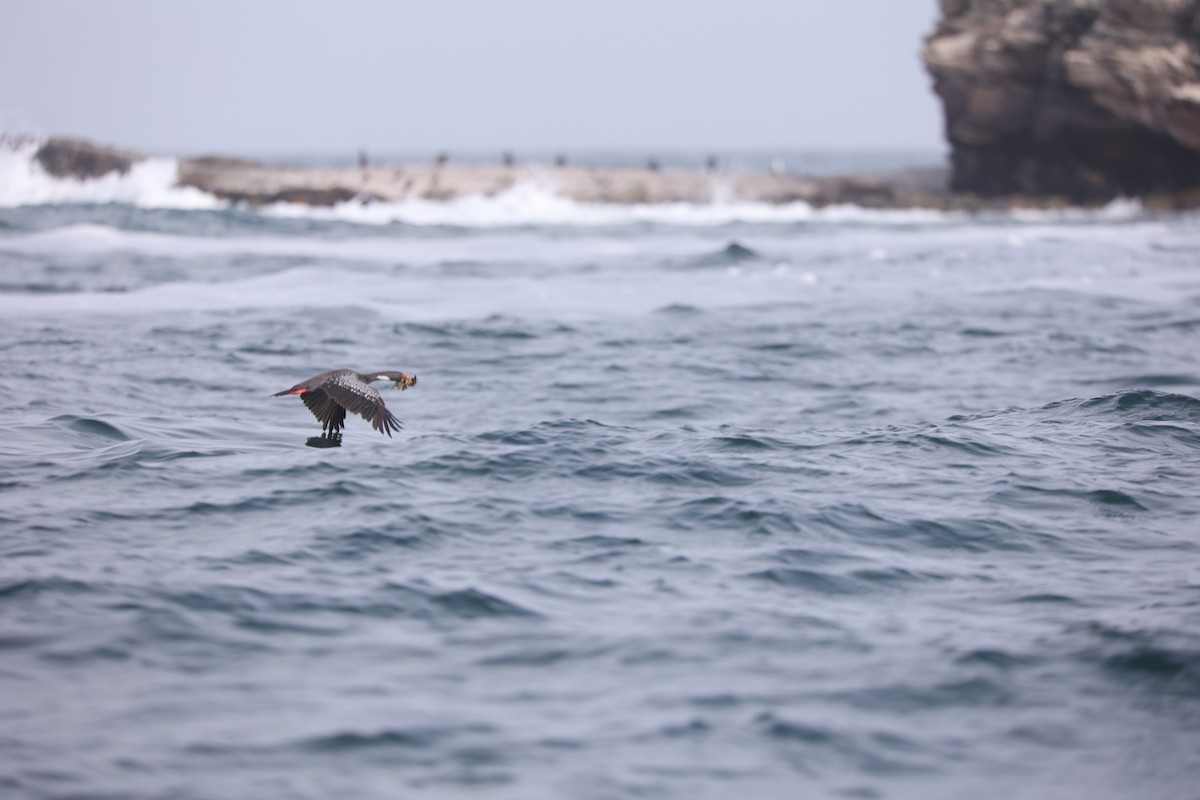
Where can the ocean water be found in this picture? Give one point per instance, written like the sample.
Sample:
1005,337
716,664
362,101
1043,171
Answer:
690,501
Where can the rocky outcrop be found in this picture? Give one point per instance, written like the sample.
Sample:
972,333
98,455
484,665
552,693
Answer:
250,183
255,184
1084,99
75,158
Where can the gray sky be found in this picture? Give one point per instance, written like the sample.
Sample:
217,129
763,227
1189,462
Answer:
301,76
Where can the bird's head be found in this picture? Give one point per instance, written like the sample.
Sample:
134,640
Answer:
399,379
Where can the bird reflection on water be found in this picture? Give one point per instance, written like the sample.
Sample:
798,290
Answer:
325,440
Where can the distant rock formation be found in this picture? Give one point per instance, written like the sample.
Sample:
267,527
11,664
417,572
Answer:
1083,99
254,184
76,158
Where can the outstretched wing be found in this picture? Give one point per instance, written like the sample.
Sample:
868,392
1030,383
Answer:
331,414
356,396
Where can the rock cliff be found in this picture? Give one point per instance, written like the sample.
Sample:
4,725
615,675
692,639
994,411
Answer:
1083,99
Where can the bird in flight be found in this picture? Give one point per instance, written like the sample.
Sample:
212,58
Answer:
330,394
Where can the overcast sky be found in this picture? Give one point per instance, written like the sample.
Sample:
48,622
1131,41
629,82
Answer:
300,76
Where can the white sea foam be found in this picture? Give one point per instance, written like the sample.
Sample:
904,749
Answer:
1118,210
151,183
538,203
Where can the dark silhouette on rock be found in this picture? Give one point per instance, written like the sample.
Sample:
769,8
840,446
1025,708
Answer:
1082,99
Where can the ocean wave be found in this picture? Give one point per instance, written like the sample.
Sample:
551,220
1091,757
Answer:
152,183
462,255
428,298
388,738
540,204
819,746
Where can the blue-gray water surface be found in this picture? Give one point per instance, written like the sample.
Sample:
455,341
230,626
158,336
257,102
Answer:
687,504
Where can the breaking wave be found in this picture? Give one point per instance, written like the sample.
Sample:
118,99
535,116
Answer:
152,183
540,204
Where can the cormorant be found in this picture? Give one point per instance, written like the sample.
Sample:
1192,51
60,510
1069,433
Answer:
329,394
